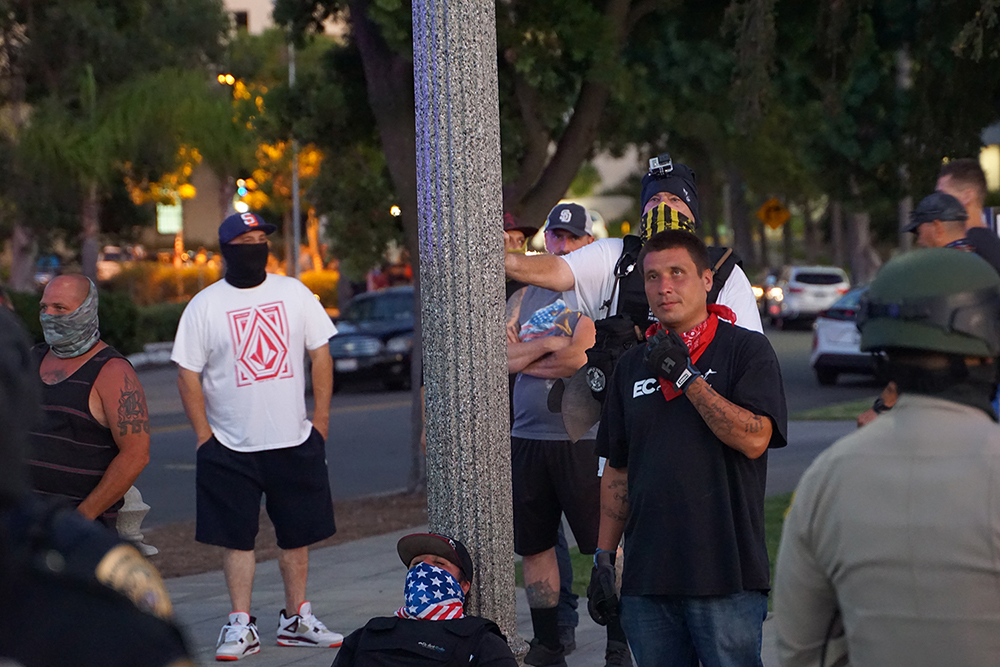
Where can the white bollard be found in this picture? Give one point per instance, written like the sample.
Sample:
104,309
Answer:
130,518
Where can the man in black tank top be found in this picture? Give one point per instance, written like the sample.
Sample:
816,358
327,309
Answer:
93,438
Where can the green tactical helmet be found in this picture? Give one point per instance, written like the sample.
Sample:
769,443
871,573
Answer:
936,299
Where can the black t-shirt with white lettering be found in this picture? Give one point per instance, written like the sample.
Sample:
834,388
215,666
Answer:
696,506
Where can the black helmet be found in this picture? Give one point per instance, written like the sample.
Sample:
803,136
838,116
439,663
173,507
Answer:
938,299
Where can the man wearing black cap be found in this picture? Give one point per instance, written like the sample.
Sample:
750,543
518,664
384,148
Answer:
240,350
516,237
669,200
431,627
941,221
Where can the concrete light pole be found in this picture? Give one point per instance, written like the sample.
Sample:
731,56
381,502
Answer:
462,277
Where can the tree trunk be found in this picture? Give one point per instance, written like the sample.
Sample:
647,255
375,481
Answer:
91,232
811,232
22,265
837,233
865,262
312,237
787,243
739,218
765,255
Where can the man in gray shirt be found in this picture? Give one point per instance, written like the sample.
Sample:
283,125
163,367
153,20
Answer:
548,340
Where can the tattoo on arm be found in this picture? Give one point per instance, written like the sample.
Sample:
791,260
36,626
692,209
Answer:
540,594
619,494
724,418
132,409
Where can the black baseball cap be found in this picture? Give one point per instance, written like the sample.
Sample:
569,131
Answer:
419,544
241,223
571,217
678,181
936,206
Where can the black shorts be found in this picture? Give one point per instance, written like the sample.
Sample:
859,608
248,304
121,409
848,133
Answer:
550,477
294,481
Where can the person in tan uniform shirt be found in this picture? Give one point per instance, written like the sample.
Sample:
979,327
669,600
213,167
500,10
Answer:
890,553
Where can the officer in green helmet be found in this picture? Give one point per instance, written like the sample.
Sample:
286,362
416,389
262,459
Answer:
889,550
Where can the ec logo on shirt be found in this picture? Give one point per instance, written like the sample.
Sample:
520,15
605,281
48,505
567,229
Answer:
645,387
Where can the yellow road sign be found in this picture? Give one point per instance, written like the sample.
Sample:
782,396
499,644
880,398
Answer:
773,213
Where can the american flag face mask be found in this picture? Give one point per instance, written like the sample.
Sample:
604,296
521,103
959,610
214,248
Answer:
432,594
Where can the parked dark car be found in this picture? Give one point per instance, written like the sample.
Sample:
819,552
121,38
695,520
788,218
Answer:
374,339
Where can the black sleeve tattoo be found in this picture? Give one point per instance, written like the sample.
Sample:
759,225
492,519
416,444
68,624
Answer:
132,409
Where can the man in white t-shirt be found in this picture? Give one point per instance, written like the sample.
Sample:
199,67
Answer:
587,275
240,351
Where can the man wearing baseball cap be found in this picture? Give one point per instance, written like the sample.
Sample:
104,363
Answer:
431,627
669,200
240,350
940,220
547,340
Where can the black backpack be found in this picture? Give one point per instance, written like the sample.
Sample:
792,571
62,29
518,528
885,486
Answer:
399,642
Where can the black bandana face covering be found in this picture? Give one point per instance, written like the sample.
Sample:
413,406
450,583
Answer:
246,264
72,334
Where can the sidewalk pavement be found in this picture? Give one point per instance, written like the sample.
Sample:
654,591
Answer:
348,584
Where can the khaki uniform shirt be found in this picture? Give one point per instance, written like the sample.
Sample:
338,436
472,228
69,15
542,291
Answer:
897,529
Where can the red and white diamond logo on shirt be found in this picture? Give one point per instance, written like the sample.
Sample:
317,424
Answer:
260,338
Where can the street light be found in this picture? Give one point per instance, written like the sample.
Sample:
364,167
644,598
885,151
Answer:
395,211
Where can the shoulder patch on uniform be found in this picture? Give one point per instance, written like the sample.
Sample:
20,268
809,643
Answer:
126,571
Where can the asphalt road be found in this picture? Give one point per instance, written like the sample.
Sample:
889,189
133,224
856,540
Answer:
368,446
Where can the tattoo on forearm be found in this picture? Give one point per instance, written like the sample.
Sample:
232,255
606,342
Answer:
132,409
541,595
618,509
724,418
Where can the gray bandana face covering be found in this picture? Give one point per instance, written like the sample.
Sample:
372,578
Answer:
72,334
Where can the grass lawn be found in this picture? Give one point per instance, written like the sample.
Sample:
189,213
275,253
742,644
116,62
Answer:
774,518
847,411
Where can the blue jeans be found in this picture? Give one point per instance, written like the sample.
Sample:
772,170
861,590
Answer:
675,631
568,616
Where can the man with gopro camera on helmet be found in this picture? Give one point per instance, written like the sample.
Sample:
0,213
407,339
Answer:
888,553
597,275
600,281
686,426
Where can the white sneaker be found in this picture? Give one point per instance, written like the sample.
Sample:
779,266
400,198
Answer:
239,637
304,629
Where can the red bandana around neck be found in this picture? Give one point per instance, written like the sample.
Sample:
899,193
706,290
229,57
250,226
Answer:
696,339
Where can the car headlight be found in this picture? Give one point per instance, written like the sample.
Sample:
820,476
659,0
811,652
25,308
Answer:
776,294
399,344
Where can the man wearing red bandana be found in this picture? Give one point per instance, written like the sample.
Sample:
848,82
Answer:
686,427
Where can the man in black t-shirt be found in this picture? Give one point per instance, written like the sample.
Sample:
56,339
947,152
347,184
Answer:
686,427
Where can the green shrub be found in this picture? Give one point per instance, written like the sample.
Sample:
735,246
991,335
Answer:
149,283
26,306
158,323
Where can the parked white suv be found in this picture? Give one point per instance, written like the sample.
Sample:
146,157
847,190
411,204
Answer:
802,292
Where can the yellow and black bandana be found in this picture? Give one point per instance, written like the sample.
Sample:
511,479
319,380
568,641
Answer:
661,218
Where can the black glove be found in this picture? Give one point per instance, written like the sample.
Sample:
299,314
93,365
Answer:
669,357
602,594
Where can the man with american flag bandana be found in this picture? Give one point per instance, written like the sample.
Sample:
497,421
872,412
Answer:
438,578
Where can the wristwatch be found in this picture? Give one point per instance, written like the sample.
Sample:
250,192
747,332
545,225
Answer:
879,406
